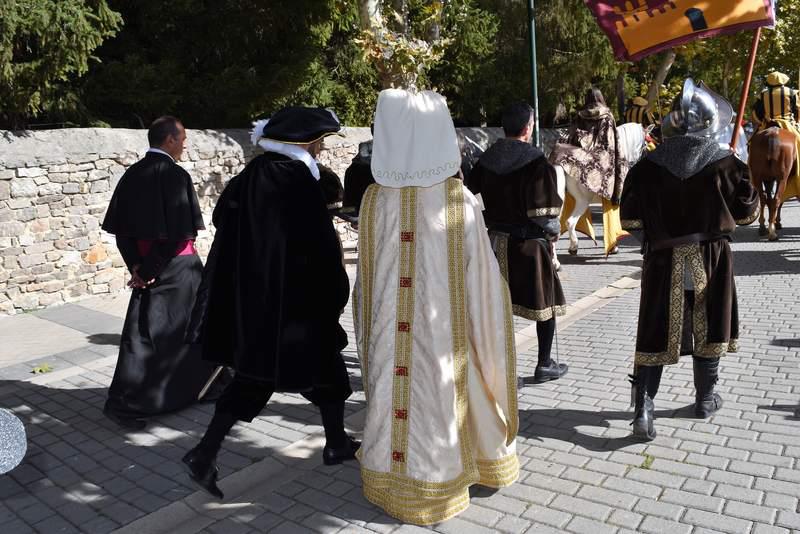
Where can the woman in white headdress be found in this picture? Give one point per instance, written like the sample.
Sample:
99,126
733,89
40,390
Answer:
433,323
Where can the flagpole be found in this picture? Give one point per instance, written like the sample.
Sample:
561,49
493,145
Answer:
534,79
746,87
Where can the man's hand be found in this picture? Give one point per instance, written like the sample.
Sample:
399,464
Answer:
136,281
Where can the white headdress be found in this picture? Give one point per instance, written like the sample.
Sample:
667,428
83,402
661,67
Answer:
415,142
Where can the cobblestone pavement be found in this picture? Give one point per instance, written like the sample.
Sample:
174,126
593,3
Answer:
736,472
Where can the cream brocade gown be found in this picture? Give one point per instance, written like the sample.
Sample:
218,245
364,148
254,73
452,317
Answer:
436,341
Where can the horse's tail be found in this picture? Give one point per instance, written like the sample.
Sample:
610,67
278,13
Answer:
773,146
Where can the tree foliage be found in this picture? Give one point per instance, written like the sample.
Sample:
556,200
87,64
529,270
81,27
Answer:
43,45
223,63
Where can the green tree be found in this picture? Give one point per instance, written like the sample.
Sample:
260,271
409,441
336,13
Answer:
221,63
43,45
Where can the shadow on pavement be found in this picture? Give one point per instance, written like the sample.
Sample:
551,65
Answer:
104,339
794,409
540,425
83,473
792,343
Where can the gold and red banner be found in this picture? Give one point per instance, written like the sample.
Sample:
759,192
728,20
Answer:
638,28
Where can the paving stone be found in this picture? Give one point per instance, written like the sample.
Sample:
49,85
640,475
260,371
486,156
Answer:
503,504
610,497
630,486
657,525
659,509
750,512
726,477
738,493
460,526
547,515
581,507
582,525
788,519
512,525
656,478
749,468
717,522
760,528
781,502
624,518
692,500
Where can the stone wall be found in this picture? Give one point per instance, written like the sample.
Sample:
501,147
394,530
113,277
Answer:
54,190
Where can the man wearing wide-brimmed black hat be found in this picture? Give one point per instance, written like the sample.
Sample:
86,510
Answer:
273,290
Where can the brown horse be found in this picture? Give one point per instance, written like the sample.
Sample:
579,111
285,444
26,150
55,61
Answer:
771,160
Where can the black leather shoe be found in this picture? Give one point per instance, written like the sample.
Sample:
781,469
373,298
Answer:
708,407
331,456
554,371
203,471
130,423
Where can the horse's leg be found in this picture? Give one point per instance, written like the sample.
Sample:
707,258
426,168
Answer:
762,200
771,207
581,196
777,204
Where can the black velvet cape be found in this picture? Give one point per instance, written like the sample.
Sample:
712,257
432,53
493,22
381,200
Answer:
274,284
155,200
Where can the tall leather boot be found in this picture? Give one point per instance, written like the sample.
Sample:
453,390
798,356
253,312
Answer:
644,416
706,374
201,462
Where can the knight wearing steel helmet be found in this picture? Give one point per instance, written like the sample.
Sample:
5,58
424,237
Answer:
683,200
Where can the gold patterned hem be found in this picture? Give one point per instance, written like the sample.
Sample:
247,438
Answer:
544,212
683,256
539,315
499,473
419,511
749,219
631,224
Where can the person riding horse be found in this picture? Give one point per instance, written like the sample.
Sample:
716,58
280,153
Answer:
637,112
778,106
592,155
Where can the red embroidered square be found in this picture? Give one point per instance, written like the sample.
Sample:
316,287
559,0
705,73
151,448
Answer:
404,327
398,456
405,282
401,371
406,237
401,414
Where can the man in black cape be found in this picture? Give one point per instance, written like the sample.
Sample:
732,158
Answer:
519,191
155,217
273,290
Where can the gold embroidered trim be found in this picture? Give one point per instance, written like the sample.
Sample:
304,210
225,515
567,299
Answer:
692,256
749,219
422,502
675,316
543,212
511,366
540,315
500,245
418,512
458,312
401,385
499,473
632,224
366,275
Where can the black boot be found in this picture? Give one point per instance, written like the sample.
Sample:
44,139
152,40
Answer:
201,461
706,374
339,447
644,416
546,368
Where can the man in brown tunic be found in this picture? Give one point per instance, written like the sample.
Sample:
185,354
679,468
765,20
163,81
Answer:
520,195
684,200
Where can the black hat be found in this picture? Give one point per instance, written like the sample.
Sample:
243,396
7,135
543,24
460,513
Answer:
300,125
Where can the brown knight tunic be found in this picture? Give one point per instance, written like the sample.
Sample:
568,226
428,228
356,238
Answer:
520,196
687,207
